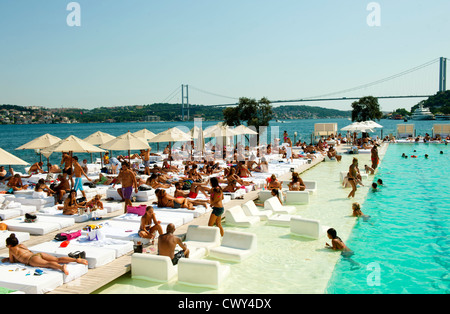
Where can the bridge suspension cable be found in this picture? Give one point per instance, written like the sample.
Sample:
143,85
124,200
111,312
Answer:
429,63
213,94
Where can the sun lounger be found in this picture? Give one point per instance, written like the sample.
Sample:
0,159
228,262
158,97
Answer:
141,196
309,228
96,256
202,237
197,211
55,212
152,267
236,246
297,197
274,205
202,273
236,216
112,207
122,230
250,209
21,236
20,277
43,224
280,220
38,202
311,186
165,218
343,174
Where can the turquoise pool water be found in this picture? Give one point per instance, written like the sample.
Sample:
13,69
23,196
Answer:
405,246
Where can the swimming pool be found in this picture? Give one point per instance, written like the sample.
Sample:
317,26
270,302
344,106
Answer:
284,263
405,245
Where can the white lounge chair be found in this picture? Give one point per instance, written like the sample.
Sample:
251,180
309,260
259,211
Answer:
236,216
274,204
202,273
297,197
152,267
311,186
202,237
250,209
308,228
281,220
236,246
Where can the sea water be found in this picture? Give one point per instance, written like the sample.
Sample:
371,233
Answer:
405,246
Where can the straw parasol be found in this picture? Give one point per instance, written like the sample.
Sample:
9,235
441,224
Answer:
358,127
71,144
128,142
40,142
219,130
242,129
9,159
99,138
171,135
145,134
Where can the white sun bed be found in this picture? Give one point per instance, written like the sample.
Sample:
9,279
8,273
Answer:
152,267
202,273
141,196
55,212
202,237
250,209
21,236
18,276
280,220
236,246
311,186
274,205
297,197
197,211
96,256
43,224
113,207
236,216
309,228
165,218
122,230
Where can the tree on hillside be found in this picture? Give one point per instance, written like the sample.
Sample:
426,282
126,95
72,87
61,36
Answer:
366,108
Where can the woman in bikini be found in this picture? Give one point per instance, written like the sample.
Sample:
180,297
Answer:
216,198
352,177
297,183
146,230
19,253
337,244
166,200
42,187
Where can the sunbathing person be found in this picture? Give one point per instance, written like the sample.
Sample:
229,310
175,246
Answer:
15,183
19,253
231,187
95,203
71,205
61,189
154,182
193,191
297,183
103,180
333,154
166,200
232,175
146,230
42,187
274,183
242,170
36,168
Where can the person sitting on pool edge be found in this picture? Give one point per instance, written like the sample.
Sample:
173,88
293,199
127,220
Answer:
167,243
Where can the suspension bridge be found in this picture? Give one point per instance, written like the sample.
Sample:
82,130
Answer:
422,80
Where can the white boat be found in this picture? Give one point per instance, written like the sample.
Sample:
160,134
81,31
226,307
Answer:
443,117
422,113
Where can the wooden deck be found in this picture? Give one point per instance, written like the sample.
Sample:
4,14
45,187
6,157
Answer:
99,277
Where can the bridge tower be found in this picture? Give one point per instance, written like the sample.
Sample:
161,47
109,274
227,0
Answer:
185,105
443,74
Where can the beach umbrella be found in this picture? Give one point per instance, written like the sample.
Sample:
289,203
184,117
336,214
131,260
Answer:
197,135
171,135
145,134
242,129
128,142
219,130
358,127
9,159
40,143
99,138
372,124
71,144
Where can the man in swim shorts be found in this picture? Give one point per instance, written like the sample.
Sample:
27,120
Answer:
128,180
78,171
167,243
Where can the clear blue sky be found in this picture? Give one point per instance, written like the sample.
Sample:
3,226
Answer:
139,51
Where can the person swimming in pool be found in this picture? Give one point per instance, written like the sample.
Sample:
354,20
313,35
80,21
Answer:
337,244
